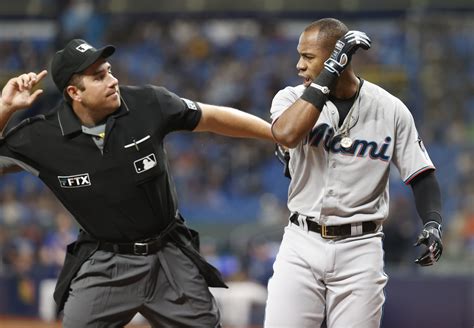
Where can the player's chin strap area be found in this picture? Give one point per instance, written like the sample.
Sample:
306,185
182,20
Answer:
334,231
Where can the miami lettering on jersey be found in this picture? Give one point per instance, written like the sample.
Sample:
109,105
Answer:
359,147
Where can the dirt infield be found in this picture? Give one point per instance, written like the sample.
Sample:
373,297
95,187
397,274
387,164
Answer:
11,322
8,322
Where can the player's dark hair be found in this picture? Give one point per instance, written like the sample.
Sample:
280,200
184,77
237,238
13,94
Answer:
77,81
330,29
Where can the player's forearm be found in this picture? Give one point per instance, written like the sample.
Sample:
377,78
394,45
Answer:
233,123
295,123
427,196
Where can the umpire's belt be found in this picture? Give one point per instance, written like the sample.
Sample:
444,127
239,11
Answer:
335,231
145,247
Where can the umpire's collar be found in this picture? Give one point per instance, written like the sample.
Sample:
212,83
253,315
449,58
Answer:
69,122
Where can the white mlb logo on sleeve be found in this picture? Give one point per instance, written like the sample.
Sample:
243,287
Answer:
190,104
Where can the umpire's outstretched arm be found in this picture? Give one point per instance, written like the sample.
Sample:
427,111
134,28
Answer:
232,122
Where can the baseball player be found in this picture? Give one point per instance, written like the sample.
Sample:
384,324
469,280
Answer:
342,133
101,153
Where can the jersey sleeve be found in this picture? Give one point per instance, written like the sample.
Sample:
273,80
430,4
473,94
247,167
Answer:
177,113
282,100
11,147
7,157
410,155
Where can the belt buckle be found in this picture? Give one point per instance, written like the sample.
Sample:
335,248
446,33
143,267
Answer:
137,248
324,232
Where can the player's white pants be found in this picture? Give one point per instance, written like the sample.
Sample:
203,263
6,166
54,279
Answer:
315,277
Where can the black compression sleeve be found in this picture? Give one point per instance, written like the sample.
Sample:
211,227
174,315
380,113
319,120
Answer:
427,197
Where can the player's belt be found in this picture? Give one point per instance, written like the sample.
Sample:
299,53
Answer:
335,231
145,247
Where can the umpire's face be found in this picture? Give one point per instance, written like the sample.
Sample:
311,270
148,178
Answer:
313,49
99,90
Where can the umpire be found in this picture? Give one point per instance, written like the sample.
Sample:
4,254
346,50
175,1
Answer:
101,152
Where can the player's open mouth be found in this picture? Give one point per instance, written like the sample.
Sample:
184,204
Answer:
307,81
113,94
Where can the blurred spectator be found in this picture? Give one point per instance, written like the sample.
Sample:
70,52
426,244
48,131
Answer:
12,212
260,257
22,278
460,236
53,250
399,231
467,231
79,18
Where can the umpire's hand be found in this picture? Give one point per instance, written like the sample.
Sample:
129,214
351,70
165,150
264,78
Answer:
430,236
19,91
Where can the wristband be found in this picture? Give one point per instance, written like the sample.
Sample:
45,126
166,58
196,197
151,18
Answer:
323,89
318,91
315,96
434,224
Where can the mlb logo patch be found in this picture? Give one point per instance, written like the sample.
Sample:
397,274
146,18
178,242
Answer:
190,104
145,163
83,47
75,181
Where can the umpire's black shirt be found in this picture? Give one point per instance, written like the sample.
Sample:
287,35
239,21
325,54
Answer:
122,192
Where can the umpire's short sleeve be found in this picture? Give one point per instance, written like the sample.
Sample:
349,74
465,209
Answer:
11,148
177,113
7,157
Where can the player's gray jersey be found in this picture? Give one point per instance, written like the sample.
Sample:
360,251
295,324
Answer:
339,185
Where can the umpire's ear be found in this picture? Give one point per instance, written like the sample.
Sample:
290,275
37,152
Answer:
71,93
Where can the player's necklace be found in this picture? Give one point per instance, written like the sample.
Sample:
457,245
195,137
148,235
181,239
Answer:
346,142
343,131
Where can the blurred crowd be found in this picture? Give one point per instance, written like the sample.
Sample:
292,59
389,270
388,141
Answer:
234,189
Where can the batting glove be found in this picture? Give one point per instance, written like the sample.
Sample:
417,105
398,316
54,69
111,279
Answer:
344,49
430,236
317,93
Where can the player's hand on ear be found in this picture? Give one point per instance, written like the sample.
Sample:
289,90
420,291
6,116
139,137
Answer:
344,49
341,56
19,91
430,236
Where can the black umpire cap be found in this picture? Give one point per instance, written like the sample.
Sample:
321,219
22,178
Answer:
76,56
